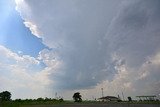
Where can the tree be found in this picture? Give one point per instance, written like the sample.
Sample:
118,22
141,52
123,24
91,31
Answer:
40,99
5,96
77,97
129,99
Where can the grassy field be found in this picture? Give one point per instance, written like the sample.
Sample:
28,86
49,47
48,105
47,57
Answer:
72,104
98,105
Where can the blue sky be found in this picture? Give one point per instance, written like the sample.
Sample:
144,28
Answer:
13,33
19,52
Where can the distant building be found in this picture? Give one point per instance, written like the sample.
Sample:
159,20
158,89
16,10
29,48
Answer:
109,98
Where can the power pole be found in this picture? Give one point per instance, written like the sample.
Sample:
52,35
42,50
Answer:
102,92
123,96
56,96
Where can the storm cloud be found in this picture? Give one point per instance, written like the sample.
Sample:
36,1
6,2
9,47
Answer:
94,41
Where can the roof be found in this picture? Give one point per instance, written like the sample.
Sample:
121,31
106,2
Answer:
147,96
109,97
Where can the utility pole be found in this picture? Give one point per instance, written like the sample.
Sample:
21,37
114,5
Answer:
123,96
119,96
102,92
56,96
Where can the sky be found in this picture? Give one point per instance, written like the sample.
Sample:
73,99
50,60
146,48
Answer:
67,46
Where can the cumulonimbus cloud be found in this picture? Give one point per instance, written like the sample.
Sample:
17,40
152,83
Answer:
98,40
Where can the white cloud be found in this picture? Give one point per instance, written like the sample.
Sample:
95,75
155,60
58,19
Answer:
22,7
24,60
33,28
16,75
50,58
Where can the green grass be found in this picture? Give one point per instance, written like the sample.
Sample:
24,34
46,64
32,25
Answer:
34,102
22,103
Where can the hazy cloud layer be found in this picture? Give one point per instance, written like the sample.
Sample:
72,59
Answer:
99,43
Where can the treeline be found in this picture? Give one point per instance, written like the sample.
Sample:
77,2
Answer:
6,96
39,100
6,101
